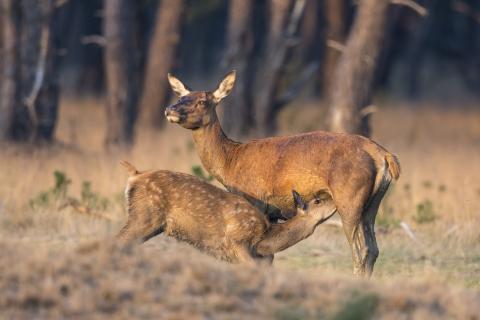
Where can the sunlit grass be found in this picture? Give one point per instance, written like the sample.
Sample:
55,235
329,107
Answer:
437,197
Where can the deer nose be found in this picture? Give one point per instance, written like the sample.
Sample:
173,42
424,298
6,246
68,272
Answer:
172,115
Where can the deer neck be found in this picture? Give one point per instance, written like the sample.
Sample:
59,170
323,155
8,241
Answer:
214,148
281,236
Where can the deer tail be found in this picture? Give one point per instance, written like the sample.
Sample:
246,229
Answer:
130,168
393,165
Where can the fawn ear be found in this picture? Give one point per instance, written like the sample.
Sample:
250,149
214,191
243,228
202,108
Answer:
225,86
177,86
298,201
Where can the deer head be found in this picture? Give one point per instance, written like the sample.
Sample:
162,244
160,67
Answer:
319,209
195,109
308,216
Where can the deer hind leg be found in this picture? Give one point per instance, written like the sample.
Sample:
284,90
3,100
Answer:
350,207
355,233
369,223
360,232
141,226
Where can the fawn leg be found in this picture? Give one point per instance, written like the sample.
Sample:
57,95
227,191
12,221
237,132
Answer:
141,227
244,254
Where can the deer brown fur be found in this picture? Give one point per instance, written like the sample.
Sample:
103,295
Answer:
354,170
219,222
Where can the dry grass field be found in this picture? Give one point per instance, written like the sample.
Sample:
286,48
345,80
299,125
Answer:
58,261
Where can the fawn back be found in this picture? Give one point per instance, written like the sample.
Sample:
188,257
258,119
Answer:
191,210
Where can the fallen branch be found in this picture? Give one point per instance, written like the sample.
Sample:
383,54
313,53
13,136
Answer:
368,110
336,45
409,232
83,209
463,8
412,5
94,39
450,231
60,3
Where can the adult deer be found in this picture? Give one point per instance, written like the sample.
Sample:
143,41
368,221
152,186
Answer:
221,223
354,170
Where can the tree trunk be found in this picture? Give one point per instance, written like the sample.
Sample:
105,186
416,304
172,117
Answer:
274,60
353,80
29,92
120,70
237,117
45,92
161,58
309,30
335,17
9,73
416,51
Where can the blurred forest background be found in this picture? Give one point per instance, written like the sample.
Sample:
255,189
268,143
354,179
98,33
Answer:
337,53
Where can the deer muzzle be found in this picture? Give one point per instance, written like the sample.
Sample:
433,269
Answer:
172,115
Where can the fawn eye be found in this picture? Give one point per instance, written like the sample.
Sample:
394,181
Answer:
317,201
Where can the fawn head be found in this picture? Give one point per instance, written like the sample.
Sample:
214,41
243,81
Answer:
195,109
320,208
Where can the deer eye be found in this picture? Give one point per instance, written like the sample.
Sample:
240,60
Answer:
317,201
202,102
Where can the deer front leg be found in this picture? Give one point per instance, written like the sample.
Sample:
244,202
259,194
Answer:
243,254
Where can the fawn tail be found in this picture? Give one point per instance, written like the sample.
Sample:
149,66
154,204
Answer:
130,168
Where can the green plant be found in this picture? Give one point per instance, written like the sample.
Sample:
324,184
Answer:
427,184
425,212
360,306
290,313
385,217
387,221
58,192
198,171
92,199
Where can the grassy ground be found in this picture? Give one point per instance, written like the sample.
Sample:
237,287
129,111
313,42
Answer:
52,264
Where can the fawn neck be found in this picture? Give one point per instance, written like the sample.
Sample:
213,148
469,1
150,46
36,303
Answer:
281,236
215,149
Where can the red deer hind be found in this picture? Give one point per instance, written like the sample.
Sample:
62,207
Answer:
354,170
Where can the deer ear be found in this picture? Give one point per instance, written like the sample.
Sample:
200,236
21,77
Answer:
298,201
225,86
177,86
